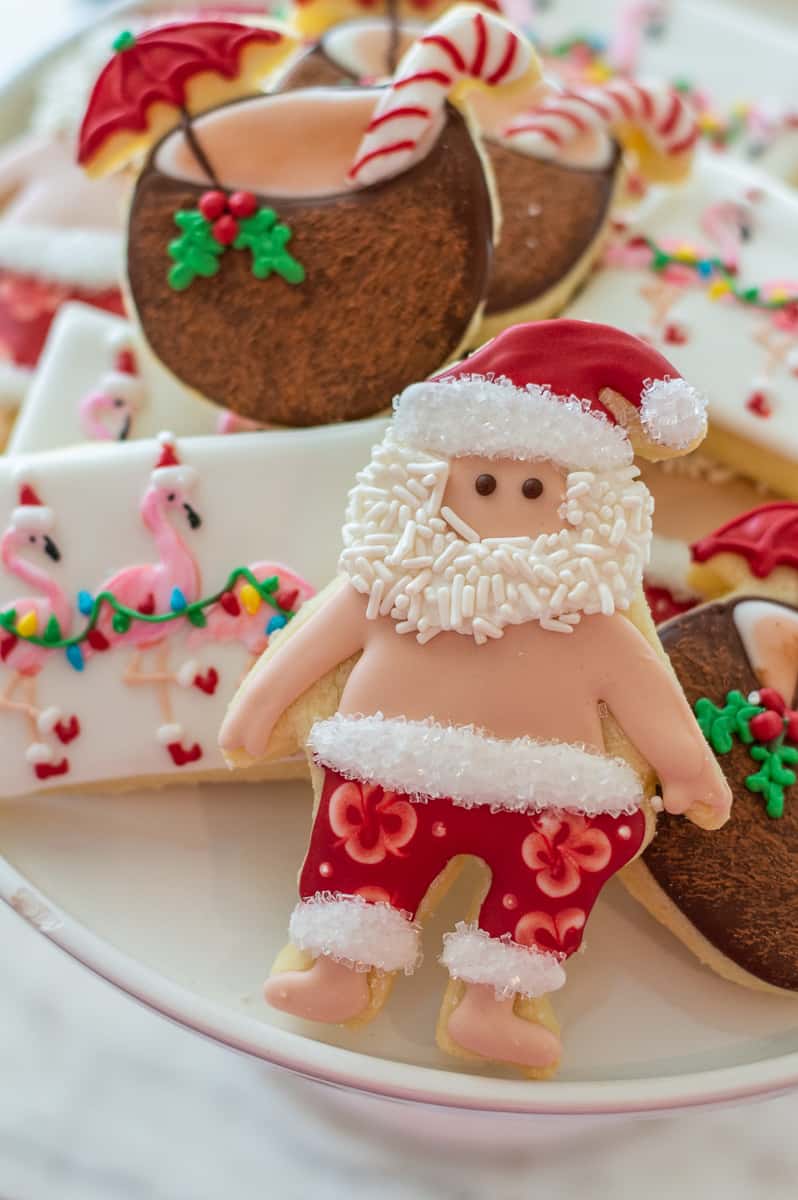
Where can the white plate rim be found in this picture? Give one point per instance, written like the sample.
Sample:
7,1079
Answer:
385,1077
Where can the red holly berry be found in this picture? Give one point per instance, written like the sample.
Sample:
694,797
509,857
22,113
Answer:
791,733
212,204
288,598
225,230
766,726
242,204
770,698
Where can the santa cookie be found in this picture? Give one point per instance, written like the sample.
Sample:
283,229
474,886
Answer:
500,523
701,272
358,223
138,583
732,897
96,382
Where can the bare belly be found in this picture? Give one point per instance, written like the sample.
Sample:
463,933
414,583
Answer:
529,683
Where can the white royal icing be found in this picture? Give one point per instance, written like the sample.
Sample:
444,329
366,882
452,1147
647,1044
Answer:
723,347
251,494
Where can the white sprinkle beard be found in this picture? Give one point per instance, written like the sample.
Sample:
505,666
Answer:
430,577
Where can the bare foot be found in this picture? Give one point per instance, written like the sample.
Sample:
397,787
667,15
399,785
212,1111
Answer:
489,1027
328,991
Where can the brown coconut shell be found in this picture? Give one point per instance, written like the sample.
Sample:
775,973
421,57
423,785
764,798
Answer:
395,276
552,214
736,886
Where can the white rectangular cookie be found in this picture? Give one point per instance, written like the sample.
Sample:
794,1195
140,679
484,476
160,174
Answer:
742,355
82,393
73,520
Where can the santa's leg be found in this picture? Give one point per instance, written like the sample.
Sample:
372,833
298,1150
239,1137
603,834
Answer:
547,873
354,926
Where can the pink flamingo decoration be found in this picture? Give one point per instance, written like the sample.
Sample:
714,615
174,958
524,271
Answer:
730,224
107,413
230,422
29,531
241,616
164,586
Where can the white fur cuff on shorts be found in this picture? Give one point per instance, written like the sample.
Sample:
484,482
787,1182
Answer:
356,932
474,956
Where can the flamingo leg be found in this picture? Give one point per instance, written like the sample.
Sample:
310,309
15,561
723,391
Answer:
26,707
161,674
164,680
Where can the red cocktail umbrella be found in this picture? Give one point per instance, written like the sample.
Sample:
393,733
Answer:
158,79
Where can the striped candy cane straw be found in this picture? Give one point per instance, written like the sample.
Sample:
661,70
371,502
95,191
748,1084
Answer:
464,45
659,113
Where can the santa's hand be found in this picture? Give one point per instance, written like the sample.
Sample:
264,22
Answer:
705,798
247,728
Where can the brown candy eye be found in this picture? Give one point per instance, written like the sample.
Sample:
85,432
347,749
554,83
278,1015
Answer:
532,488
485,484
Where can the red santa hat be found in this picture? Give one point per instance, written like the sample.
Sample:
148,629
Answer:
30,515
122,379
169,472
540,391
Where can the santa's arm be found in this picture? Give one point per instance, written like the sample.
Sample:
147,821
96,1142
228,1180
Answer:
320,642
647,701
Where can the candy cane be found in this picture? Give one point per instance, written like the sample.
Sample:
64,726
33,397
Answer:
465,44
659,113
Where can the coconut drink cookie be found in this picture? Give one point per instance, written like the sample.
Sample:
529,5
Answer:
732,898
703,272
470,686
139,582
554,153
273,238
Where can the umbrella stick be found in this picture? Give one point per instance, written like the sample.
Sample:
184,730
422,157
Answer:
196,148
393,35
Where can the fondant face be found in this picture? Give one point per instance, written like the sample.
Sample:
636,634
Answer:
503,498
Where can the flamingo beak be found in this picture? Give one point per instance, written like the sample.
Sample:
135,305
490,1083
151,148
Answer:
51,550
194,519
125,428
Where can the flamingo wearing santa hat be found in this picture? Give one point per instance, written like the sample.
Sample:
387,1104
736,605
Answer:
107,413
29,533
164,586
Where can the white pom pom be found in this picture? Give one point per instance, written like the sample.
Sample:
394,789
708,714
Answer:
673,413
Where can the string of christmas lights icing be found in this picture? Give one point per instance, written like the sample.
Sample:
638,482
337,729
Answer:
717,274
254,593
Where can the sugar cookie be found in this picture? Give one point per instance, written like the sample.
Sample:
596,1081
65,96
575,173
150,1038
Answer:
500,522
137,583
702,272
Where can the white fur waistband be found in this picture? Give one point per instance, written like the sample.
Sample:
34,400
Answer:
91,259
423,759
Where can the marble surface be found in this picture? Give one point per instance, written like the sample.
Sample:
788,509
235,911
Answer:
102,1100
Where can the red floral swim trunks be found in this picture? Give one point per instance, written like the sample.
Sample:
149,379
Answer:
385,849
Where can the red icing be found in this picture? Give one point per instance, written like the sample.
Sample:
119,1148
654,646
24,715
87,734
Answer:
547,868
7,645
766,537
181,757
578,358
662,604
67,731
44,770
208,682
759,403
157,68
28,306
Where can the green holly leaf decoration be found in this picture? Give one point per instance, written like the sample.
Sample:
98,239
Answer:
719,725
266,238
773,775
53,631
8,619
195,252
